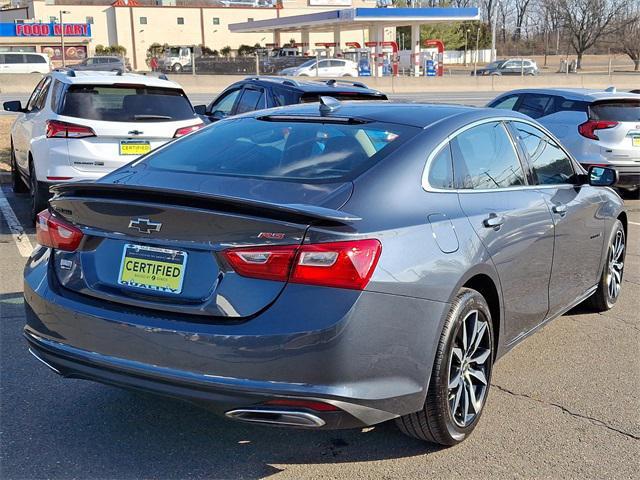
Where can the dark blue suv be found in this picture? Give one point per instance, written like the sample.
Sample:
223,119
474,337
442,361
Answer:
257,93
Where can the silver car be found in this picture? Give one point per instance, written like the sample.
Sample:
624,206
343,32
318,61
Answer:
599,127
325,265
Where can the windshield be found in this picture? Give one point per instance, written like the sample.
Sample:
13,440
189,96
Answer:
173,52
128,103
497,64
616,111
308,63
311,152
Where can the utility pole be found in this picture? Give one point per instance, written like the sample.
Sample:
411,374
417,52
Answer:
64,62
494,25
466,33
475,64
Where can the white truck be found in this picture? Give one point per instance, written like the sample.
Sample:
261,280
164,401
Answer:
175,59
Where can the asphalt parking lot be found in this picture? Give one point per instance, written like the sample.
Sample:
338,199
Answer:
564,404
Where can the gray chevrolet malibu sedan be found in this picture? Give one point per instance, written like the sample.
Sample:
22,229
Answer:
325,265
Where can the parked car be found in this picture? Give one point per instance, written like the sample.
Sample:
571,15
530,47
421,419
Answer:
327,67
24,62
511,66
598,127
104,63
83,125
256,93
328,265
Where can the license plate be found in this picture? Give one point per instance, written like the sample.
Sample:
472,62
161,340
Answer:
134,147
636,141
151,268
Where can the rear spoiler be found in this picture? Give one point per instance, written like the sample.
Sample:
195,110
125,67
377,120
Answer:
199,199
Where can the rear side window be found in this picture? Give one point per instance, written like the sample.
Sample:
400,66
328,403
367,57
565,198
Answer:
536,105
14,59
441,169
250,100
616,111
310,152
484,158
565,105
127,103
35,59
506,103
283,96
549,163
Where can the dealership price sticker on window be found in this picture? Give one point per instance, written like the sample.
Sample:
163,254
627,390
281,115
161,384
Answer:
151,268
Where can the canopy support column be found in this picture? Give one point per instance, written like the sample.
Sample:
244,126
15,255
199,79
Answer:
379,38
304,39
415,48
336,39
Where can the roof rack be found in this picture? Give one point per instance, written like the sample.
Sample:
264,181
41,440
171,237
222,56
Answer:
333,81
161,76
284,81
70,72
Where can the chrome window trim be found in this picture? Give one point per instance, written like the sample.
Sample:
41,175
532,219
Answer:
425,173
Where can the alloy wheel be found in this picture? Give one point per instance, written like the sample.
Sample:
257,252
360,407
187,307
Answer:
616,265
469,369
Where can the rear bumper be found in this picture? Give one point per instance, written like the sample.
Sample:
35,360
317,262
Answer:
367,353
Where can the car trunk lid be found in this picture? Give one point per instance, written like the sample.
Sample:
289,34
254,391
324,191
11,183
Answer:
179,236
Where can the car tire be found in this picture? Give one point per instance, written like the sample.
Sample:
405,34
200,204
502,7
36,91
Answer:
17,183
610,284
177,68
445,418
38,200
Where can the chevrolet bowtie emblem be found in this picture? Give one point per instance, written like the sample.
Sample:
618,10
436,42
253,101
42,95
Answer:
144,225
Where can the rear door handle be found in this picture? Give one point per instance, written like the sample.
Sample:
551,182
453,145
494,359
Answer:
560,209
493,221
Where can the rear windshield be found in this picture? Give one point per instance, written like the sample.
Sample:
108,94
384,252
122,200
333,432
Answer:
126,103
315,97
309,152
616,111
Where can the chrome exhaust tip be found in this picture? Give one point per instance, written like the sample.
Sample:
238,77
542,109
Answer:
289,418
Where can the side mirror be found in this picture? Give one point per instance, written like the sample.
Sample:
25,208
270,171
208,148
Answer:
13,106
218,115
602,176
200,109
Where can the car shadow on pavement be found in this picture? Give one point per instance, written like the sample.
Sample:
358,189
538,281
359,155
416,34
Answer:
142,435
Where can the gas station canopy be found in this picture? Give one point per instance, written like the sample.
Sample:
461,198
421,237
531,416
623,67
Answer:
355,18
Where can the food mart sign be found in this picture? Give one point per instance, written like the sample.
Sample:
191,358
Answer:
44,29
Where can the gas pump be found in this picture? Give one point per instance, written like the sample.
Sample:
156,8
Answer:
436,63
388,59
360,56
393,57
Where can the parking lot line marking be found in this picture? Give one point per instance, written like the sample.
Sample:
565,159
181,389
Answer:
17,232
634,223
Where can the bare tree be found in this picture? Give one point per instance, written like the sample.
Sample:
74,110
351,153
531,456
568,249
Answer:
629,35
520,7
587,21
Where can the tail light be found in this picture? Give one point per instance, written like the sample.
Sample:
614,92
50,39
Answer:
588,128
55,233
181,132
337,264
57,129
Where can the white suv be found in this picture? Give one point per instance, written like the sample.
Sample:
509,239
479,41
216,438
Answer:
83,125
599,127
